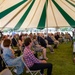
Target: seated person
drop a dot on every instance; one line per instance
(10, 59)
(15, 40)
(34, 63)
(54, 39)
(15, 45)
(51, 41)
(21, 42)
(38, 48)
(44, 43)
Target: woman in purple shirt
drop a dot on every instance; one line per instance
(32, 62)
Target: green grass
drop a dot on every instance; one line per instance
(62, 60)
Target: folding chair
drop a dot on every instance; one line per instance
(6, 72)
(32, 72)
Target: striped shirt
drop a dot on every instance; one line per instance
(29, 57)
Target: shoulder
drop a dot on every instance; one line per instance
(6, 50)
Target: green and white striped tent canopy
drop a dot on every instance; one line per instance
(21, 14)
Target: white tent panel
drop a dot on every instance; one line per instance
(34, 15)
(54, 17)
(72, 1)
(58, 18)
(69, 5)
(30, 16)
(5, 4)
(66, 9)
(15, 20)
(50, 16)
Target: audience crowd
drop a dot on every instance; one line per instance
(29, 46)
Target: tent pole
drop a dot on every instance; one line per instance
(46, 17)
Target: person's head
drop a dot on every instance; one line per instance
(16, 36)
(21, 37)
(34, 37)
(4, 37)
(6, 43)
(27, 42)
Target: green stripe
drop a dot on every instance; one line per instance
(23, 17)
(70, 3)
(42, 21)
(7, 11)
(65, 15)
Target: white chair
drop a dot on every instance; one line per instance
(32, 72)
(6, 72)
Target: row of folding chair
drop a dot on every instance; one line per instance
(32, 72)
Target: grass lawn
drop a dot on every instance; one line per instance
(62, 60)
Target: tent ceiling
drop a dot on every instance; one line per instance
(23, 14)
